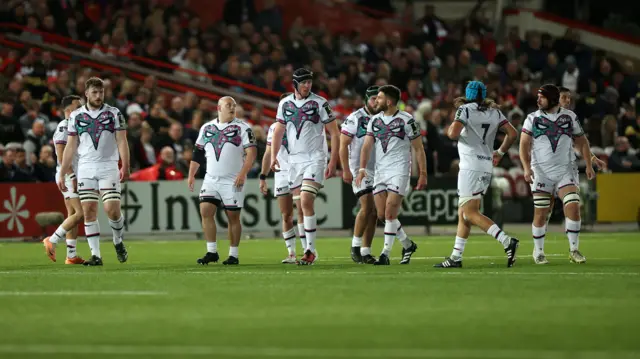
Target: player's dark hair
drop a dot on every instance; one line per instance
(68, 100)
(94, 82)
(391, 92)
(285, 95)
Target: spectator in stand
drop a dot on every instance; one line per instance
(8, 168)
(9, 125)
(44, 170)
(621, 160)
(24, 171)
(36, 138)
(164, 170)
(172, 139)
(249, 48)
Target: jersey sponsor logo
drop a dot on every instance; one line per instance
(218, 138)
(542, 126)
(251, 136)
(384, 133)
(299, 115)
(95, 126)
(328, 109)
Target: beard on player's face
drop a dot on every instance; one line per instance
(381, 106)
(543, 104)
(96, 102)
(371, 104)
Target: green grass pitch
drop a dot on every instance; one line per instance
(162, 305)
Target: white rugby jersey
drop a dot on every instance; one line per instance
(355, 126)
(60, 138)
(304, 120)
(553, 133)
(393, 135)
(475, 144)
(224, 145)
(96, 131)
(283, 154)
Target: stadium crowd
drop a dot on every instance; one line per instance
(431, 66)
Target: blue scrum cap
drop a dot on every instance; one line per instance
(473, 89)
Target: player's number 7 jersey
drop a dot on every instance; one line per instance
(475, 144)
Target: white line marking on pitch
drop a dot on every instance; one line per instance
(182, 351)
(79, 293)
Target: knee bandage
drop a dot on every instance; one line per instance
(110, 196)
(571, 197)
(309, 189)
(295, 198)
(541, 201)
(88, 196)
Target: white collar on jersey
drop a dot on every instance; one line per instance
(86, 106)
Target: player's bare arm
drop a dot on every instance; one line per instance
(123, 150)
(276, 143)
(250, 156)
(525, 156)
(67, 159)
(59, 154)
(365, 153)
(264, 172)
(602, 165)
(455, 129)
(334, 132)
(583, 145)
(345, 141)
(418, 148)
(511, 134)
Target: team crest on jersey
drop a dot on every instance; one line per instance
(310, 111)
(363, 122)
(105, 121)
(384, 133)
(218, 138)
(542, 126)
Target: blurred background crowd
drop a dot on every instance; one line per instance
(251, 52)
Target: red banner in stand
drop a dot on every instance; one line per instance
(21, 202)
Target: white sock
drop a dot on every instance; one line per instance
(538, 238)
(92, 232)
(290, 240)
(71, 248)
(573, 233)
(117, 227)
(365, 251)
(390, 232)
(58, 235)
(356, 241)
(233, 252)
(458, 248)
(402, 236)
(497, 233)
(303, 236)
(310, 223)
(212, 247)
